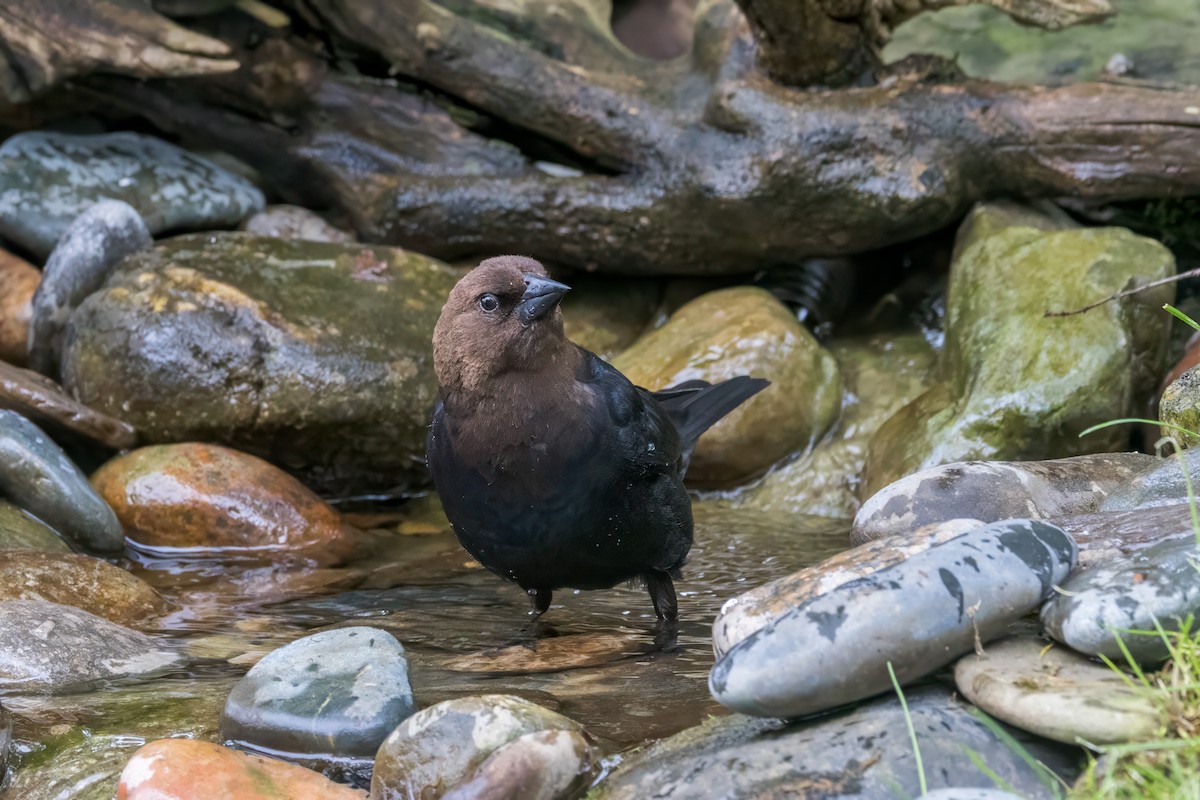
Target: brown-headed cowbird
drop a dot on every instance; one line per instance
(554, 470)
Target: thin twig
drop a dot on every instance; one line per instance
(1191, 273)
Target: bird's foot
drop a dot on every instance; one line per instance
(539, 601)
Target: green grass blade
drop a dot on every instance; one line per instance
(912, 732)
(1175, 312)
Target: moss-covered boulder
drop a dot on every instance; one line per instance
(315, 355)
(743, 331)
(1018, 384)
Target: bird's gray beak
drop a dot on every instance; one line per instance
(541, 297)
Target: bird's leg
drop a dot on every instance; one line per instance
(662, 594)
(539, 601)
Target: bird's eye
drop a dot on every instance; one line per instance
(489, 303)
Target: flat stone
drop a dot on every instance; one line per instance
(1056, 693)
(1162, 483)
(81, 581)
(546, 765)
(865, 753)
(445, 744)
(1100, 604)
(47, 647)
(36, 475)
(919, 614)
(172, 769)
(996, 490)
(47, 179)
(21, 531)
(554, 654)
(95, 242)
(338, 693)
(293, 222)
(206, 500)
(756, 609)
(43, 401)
(18, 282)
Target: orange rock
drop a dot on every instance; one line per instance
(72, 579)
(209, 500)
(184, 769)
(18, 280)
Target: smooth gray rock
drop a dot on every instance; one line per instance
(48, 179)
(920, 614)
(95, 242)
(1160, 583)
(1161, 484)
(47, 647)
(864, 753)
(337, 693)
(1113, 535)
(996, 490)
(1054, 692)
(36, 475)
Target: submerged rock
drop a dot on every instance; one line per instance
(1158, 585)
(47, 179)
(294, 222)
(996, 490)
(47, 647)
(41, 400)
(96, 241)
(232, 339)
(863, 753)
(21, 531)
(742, 331)
(553, 654)
(36, 475)
(1053, 692)
(446, 744)
(18, 282)
(80, 581)
(330, 696)
(205, 499)
(1019, 385)
(881, 375)
(835, 648)
(173, 769)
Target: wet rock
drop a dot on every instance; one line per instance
(329, 696)
(607, 315)
(835, 648)
(41, 400)
(172, 769)
(756, 609)
(1179, 407)
(293, 222)
(1114, 535)
(20, 531)
(881, 375)
(1053, 692)
(47, 647)
(80, 581)
(862, 753)
(546, 765)
(47, 179)
(18, 281)
(996, 490)
(1019, 385)
(554, 654)
(231, 338)
(36, 475)
(206, 499)
(91, 246)
(1162, 483)
(1100, 604)
(743, 331)
(968, 794)
(445, 744)
(5, 738)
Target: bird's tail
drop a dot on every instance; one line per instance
(695, 406)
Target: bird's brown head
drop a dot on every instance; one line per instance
(502, 317)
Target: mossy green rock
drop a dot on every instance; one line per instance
(315, 355)
(881, 375)
(20, 531)
(1179, 407)
(743, 331)
(1018, 385)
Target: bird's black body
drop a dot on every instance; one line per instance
(554, 470)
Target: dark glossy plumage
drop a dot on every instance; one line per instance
(553, 468)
